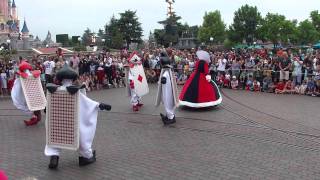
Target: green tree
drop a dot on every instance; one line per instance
(246, 21)
(114, 38)
(130, 27)
(276, 28)
(172, 29)
(212, 26)
(159, 36)
(315, 17)
(87, 37)
(101, 33)
(307, 33)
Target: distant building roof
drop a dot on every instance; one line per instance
(25, 28)
(37, 38)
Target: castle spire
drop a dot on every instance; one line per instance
(25, 29)
(13, 4)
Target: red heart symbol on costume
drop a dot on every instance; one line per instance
(140, 78)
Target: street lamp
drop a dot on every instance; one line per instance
(211, 42)
(8, 42)
(93, 38)
(79, 41)
(103, 41)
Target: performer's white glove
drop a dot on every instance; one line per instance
(208, 78)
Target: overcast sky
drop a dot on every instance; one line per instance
(74, 16)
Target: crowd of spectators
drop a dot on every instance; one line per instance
(281, 71)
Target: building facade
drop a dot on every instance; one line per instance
(10, 34)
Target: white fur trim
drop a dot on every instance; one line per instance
(201, 105)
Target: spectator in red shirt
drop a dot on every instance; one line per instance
(279, 87)
(100, 75)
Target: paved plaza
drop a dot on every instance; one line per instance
(249, 136)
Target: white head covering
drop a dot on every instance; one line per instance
(203, 55)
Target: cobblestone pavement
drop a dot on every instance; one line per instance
(250, 136)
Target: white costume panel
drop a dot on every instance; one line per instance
(135, 98)
(88, 114)
(167, 96)
(137, 75)
(33, 93)
(18, 98)
(167, 93)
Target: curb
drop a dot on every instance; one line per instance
(5, 97)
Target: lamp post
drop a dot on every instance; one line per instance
(103, 41)
(79, 41)
(211, 42)
(9, 49)
(93, 38)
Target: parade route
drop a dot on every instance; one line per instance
(250, 136)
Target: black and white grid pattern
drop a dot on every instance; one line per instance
(33, 93)
(63, 120)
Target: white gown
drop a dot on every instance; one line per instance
(88, 114)
(167, 96)
(17, 96)
(135, 99)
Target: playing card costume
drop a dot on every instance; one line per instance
(167, 90)
(27, 93)
(137, 85)
(200, 91)
(71, 119)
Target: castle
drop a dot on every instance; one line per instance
(10, 34)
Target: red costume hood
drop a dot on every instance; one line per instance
(23, 67)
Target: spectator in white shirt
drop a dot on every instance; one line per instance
(49, 66)
(222, 62)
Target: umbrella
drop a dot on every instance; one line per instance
(241, 46)
(317, 46)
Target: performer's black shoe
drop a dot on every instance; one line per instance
(54, 161)
(86, 161)
(166, 120)
(172, 121)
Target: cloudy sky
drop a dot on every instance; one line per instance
(74, 16)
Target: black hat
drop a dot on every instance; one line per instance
(66, 73)
(164, 59)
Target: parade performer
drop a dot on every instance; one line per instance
(167, 90)
(200, 91)
(137, 85)
(71, 119)
(27, 93)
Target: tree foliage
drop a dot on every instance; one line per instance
(276, 28)
(130, 27)
(245, 24)
(173, 30)
(315, 17)
(114, 38)
(212, 26)
(170, 34)
(307, 33)
(87, 37)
